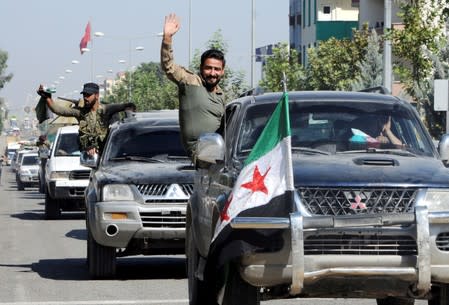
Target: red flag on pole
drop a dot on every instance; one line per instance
(86, 38)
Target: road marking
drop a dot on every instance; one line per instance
(139, 302)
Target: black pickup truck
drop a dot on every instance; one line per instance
(370, 213)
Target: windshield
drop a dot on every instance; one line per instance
(145, 145)
(67, 145)
(323, 127)
(30, 160)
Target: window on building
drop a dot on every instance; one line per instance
(326, 9)
(298, 19)
(292, 20)
(355, 3)
(310, 11)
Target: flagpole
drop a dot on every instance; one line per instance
(289, 179)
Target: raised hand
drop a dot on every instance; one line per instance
(171, 26)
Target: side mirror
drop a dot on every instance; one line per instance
(88, 161)
(210, 148)
(443, 148)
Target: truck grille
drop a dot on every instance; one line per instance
(165, 193)
(79, 175)
(360, 244)
(173, 219)
(348, 201)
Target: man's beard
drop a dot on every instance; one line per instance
(88, 104)
(209, 85)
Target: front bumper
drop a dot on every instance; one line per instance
(67, 189)
(149, 222)
(29, 179)
(304, 273)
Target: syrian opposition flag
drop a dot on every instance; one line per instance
(85, 39)
(264, 188)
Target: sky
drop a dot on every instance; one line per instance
(42, 39)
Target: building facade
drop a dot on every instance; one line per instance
(312, 21)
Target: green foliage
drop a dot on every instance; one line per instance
(370, 66)
(150, 89)
(419, 49)
(233, 82)
(333, 64)
(4, 78)
(283, 60)
(419, 34)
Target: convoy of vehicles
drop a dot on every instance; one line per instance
(368, 218)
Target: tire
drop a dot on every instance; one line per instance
(440, 295)
(41, 186)
(198, 292)
(20, 186)
(238, 292)
(395, 301)
(101, 259)
(52, 209)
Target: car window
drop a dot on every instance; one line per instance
(30, 160)
(67, 145)
(146, 144)
(338, 127)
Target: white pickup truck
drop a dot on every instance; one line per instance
(65, 178)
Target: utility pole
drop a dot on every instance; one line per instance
(253, 42)
(387, 46)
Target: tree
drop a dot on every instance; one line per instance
(283, 60)
(423, 30)
(370, 66)
(4, 78)
(333, 64)
(233, 82)
(150, 89)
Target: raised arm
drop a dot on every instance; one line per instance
(174, 72)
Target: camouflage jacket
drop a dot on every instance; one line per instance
(93, 125)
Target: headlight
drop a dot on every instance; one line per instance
(117, 192)
(437, 200)
(59, 175)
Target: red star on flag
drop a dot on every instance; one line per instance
(257, 184)
(224, 214)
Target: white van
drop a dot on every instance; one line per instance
(65, 178)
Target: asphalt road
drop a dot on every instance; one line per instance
(44, 262)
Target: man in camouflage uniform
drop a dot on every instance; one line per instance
(201, 101)
(93, 117)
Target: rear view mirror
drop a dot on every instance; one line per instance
(210, 148)
(443, 148)
(87, 160)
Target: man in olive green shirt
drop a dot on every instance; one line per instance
(201, 100)
(93, 117)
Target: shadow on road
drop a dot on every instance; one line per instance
(133, 268)
(80, 234)
(39, 215)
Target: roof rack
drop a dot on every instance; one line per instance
(377, 89)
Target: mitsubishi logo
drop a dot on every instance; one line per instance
(356, 201)
(175, 192)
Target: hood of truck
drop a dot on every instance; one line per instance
(132, 172)
(369, 170)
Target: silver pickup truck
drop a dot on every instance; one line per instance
(369, 214)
